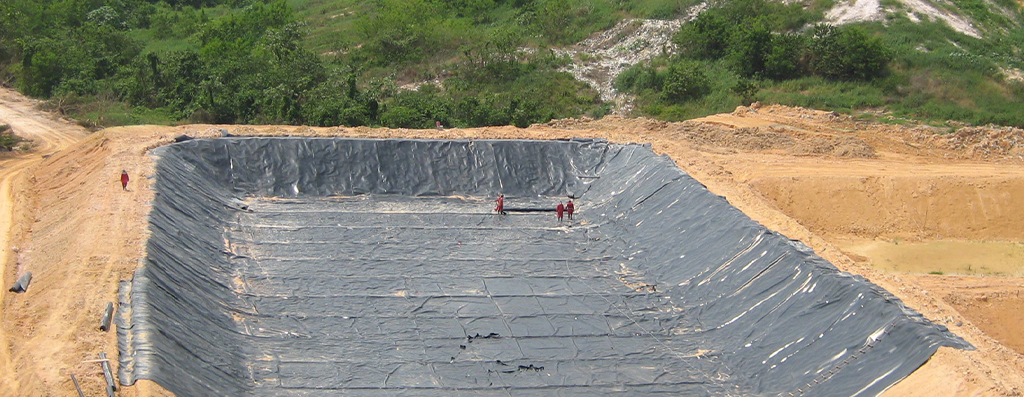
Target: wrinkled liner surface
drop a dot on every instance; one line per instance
(287, 266)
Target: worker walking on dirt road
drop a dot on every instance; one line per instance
(558, 211)
(569, 208)
(124, 180)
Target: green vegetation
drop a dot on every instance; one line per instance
(7, 138)
(248, 61)
(485, 62)
(755, 50)
(764, 51)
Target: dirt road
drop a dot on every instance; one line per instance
(48, 135)
(863, 195)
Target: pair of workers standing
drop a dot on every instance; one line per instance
(561, 210)
(567, 209)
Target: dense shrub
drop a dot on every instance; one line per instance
(7, 138)
(846, 53)
(569, 21)
(638, 78)
(400, 31)
(169, 23)
(749, 48)
(685, 80)
(73, 60)
(784, 58)
(706, 37)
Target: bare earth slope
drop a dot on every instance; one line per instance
(49, 135)
(827, 180)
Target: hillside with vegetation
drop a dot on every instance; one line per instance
(467, 63)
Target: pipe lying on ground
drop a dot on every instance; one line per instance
(77, 387)
(22, 284)
(111, 386)
(108, 315)
(529, 209)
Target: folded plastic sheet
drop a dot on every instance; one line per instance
(322, 267)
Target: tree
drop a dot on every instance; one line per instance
(706, 37)
(236, 35)
(685, 80)
(333, 102)
(399, 116)
(783, 60)
(477, 111)
(74, 60)
(137, 83)
(106, 16)
(417, 109)
(846, 53)
(182, 74)
(400, 31)
(749, 47)
(169, 23)
(745, 89)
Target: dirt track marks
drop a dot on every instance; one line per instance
(48, 135)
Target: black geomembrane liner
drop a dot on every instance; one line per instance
(332, 266)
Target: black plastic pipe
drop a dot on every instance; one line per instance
(552, 209)
(108, 315)
(111, 387)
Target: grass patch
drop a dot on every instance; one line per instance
(105, 113)
(159, 45)
(659, 9)
(331, 23)
(819, 93)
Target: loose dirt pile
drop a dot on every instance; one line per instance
(828, 180)
(977, 142)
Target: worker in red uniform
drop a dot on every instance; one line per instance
(124, 180)
(501, 204)
(569, 208)
(558, 211)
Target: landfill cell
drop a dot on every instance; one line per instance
(332, 266)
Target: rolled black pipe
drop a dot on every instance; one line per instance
(22, 284)
(108, 315)
(529, 209)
